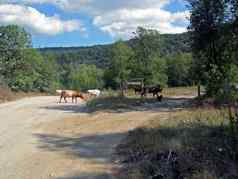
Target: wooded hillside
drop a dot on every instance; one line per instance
(100, 55)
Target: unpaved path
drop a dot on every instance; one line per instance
(42, 139)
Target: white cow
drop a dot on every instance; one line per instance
(95, 92)
(59, 91)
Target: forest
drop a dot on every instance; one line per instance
(150, 55)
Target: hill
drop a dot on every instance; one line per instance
(100, 55)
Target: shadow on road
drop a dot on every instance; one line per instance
(97, 147)
(121, 105)
(68, 108)
(92, 149)
(88, 176)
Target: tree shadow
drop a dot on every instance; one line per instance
(91, 175)
(96, 147)
(122, 105)
(68, 108)
(179, 152)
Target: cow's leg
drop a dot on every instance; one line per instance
(142, 94)
(155, 94)
(146, 92)
(65, 99)
(60, 98)
(72, 99)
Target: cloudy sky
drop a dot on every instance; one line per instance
(88, 22)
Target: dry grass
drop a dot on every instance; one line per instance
(111, 100)
(193, 144)
(7, 95)
(180, 91)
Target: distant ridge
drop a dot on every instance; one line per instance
(100, 55)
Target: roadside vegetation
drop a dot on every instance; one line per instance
(195, 143)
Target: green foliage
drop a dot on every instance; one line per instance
(119, 70)
(100, 55)
(24, 68)
(143, 61)
(13, 41)
(37, 75)
(178, 70)
(213, 28)
(159, 73)
(147, 45)
(144, 56)
(86, 77)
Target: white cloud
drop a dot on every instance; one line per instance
(120, 18)
(35, 21)
(124, 21)
(95, 6)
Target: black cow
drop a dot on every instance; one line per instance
(154, 89)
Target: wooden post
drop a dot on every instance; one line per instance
(122, 88)
(199, 89)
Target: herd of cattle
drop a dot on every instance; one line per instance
(74, 95)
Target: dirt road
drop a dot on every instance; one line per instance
(42, 139)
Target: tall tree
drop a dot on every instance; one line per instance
(121, 63)
(13, 41)
(207, 24)
(147, 48)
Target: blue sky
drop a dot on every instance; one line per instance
(60, 23)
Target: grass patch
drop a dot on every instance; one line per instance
(195, 144)
(112, 101)
(181, 91)
(117, 103)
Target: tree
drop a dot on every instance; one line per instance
(159, 73)
(147, 48)
(13, 41)
(38, 74)
(208, 27)
(121, 63)
(86, 77)
(178, 69)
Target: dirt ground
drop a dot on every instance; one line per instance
(42, 139)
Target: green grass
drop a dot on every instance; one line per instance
(195, 144)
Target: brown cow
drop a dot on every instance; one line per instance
(70, 94)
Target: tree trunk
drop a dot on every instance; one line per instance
(122, 89)
(199, 89)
